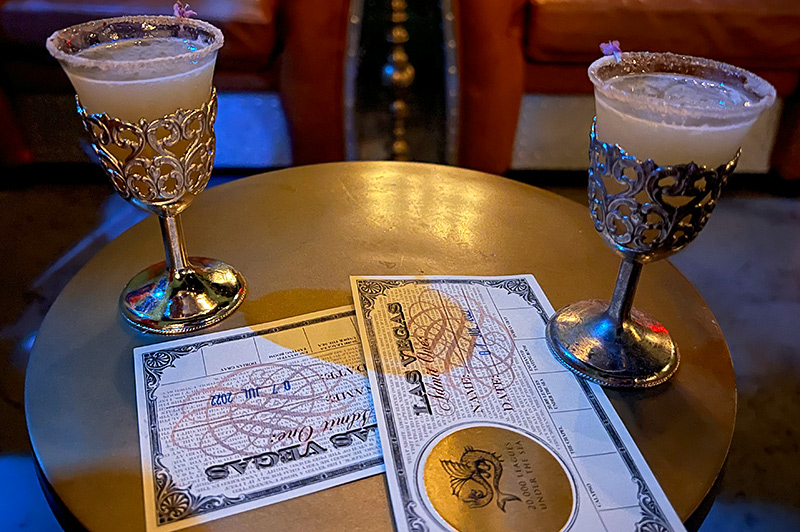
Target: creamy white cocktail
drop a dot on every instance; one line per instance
(151, 91)
(676, 109)
(143, 76)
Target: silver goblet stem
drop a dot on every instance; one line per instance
(619, 309)
(161, 166)
(645, 212)
(172, 232)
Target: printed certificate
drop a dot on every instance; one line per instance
(481, 428)
(240, 419)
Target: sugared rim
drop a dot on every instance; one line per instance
(74, 61)
(761, 91)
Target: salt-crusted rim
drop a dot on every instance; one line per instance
(639, 62)
(74, 61)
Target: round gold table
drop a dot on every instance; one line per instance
(296, 235)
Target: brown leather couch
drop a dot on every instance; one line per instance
(508, 48)
(294, 46)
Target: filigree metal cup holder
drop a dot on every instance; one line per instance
(644, 212)
(161, 166)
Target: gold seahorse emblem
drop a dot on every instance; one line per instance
(476, 478)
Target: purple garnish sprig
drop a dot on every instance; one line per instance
(182, 10)
(608, 48)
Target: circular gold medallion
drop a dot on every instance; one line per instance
(491, 478)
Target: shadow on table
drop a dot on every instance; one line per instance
(289, 303)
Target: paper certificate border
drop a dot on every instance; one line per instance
(174, 503)
(653, 517)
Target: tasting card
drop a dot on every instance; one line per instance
(481, 428)
(240, 419)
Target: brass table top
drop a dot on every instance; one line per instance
(296, 235)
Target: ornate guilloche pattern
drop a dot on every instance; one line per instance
(481, 428)
(240, 419)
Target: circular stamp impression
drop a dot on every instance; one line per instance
(495, 478)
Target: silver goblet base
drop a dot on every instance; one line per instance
(584, 337)
(167, 301)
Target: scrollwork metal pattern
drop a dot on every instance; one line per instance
(659, 210)
(158, 165)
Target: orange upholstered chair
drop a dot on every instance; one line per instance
(508, 48)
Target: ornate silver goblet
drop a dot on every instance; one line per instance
(145, 98)
(681, 108)
(654, 212)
